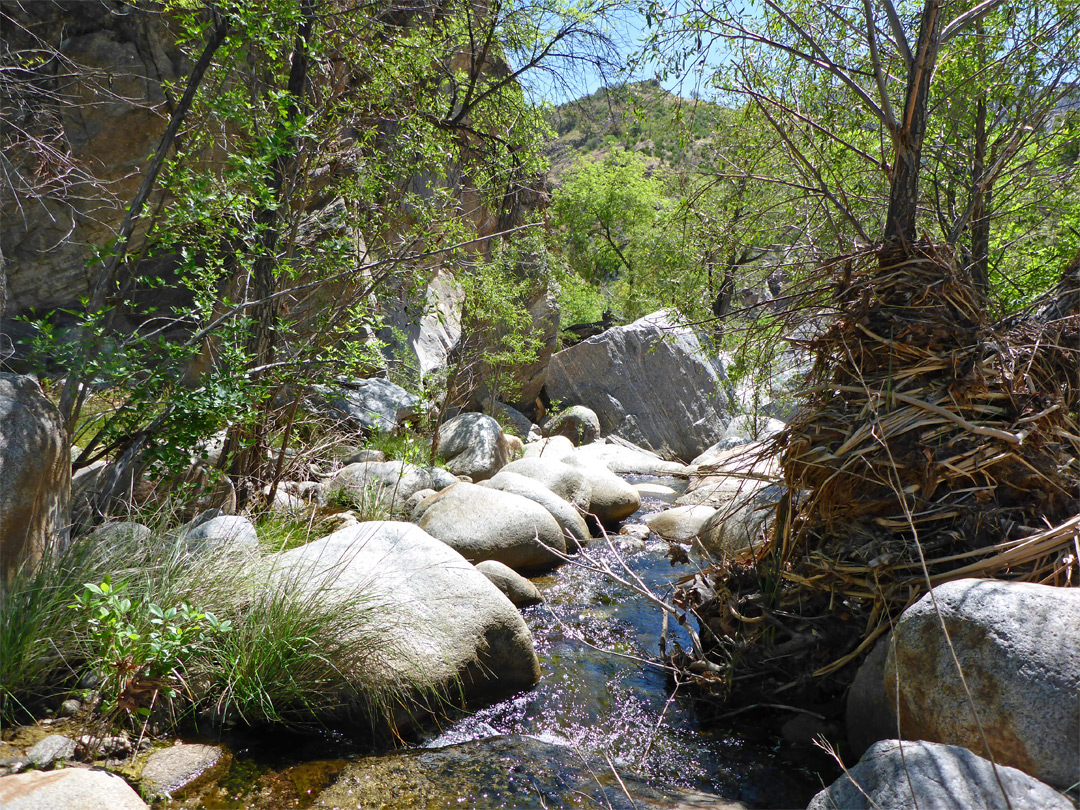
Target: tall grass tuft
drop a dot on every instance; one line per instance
(37, 640)
(293, 655)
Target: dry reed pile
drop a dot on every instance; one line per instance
(930, 445)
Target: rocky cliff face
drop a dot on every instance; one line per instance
(101, 101)
(81, 121)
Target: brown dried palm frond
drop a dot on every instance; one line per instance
(930, 445)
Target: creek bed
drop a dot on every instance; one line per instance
(599, 707)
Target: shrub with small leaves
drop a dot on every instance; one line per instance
(139, 650)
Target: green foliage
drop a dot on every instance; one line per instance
(498, 334)
(135, 647)
(262, 647)
(369, 503)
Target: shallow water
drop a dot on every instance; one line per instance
(600, 705)
(601, 697)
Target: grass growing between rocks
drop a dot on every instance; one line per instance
(290, 656)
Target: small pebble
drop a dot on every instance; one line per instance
(70, 708)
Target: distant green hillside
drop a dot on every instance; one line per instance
(669, 130)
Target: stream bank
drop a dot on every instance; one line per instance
(600, 708)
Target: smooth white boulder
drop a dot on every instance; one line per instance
(446, 626)
(486, 524)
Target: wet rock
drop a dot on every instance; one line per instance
(931, 776)
(172, 771)
(485, 524)
(651, 382)
(569, 483)
(35, 474)
(68, 789)
(51, 750)
(473, 444)
(447, 629)
(577, 423)
(564, 512)
(1018, 645)
(681, 523)
(516, 588)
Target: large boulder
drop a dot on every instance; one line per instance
(486, 524)
(223, 534)
(418, 340)
(68, 789)
(473, 444)
(742, 520)
(374, 405)
(577, 423)
(895, 775)
(446, 627)
(735, 482)
(651, 382)
(565, 513)
(1018, 645)
(35, 474)
(569, 483)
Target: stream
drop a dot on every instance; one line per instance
(601, 726)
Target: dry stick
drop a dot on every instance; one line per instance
(1011, 438)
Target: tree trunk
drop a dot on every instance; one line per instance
(900, 223)
(980, 208)
(72, 394)
(247, 449)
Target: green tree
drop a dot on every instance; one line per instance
(608, 212)
(325, 153)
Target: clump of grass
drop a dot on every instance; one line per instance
(293, 655)
(278, 532)
(299, 658)
(36, 635)
(401, 446)
(370, 503)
